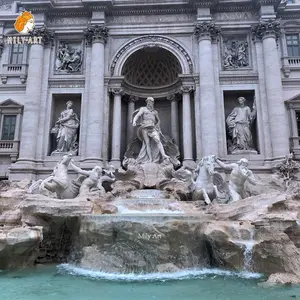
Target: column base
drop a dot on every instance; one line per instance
(116, 163)
(23, 169)
(189, 163)
(91, 162)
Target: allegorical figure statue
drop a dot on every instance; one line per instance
(239, 175)
(94, 179)
(239, 124)
(149, 134)
(65, 129)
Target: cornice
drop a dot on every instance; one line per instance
(37, 6)
(66, 82)
(289, 16)
(234, 8)
(151, 11)
(70, 14)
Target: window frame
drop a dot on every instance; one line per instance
(292, 47)
(19, 55)
(2, 125)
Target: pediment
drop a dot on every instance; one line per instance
(10, 103)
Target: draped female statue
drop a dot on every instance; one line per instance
(65, 129)
(239, 124)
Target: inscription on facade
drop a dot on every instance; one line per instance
(152, 19)
(68, 21)
(235, 16)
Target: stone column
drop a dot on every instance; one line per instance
(268, 32)
(117, 127)
(187, 124)
(205, 32)
(174, 118)
(130, 111)
(96, 36)
(30, 123)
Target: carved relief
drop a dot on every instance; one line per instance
(68, 58)
(152, 39)
(4, 5)
(235, 53)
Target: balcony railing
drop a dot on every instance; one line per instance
(9, 147)
(14, 69)
(290, 63)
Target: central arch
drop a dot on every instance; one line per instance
(147, 42)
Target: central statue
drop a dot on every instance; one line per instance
(149, 134)
(150, 145)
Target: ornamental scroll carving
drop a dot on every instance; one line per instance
(153, 39)
(270, 27)
(235, 53)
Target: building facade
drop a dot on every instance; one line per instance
(194, 57)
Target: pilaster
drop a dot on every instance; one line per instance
(33, 96)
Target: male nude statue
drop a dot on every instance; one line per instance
(149, 133)
(239, 174)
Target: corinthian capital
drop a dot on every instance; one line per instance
(43, 32)
(186, 89)
(96, 33)
(206, 30)
(266, 28)
(117, 91)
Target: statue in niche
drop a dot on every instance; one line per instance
(94, 180)
(68, 59)
(153, 146)
(235, 54)
(239, 124)
(66, 131)
(239, 174)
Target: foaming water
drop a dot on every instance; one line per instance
(124, 210)
(180, 275)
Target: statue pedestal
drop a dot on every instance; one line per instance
(60, 154)
(150, 173)
(244, 152)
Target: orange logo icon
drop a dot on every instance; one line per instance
(25, 23)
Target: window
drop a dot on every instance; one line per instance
(292, 42)
(8, 127)
(16, 56)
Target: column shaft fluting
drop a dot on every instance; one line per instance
(97, 36)
(116, 127)
(174, 119)
(208, 113)
(268, 31)
(277, 113)
(187, 124)
(129, 120)
(30, 123)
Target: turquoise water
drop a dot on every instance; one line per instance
(66, 282)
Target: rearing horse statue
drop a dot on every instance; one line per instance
(58, 182)
(205, 176)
